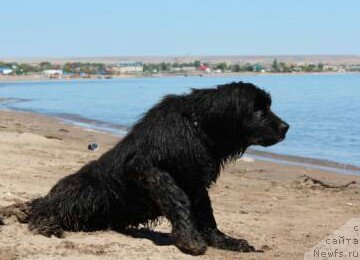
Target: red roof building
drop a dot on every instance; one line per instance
(203, 67)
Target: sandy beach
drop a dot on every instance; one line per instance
(267, 203)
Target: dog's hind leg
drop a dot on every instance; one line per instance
(44, 217)
(206, 224)
(175, 205)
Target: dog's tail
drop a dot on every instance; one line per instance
(20, 210)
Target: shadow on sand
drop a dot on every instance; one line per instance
(158, 238)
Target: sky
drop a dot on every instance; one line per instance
(64, 28)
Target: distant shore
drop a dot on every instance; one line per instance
(38, 77)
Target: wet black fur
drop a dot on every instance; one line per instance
(164, 167)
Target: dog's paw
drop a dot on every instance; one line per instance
(233, 244)
(217, 239)
(192, 244)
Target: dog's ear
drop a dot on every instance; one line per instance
(232, 101)
(262, 101)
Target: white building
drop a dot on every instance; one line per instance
(5, 71)
(184, 69)
(50, 73)
(188, 69)
(128, 67)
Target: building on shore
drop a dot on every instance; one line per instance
(188, 69)
(128, 67)
(183, 69)
(5, 71)
(204, 68)
(53, 73)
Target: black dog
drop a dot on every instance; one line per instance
(163, 167)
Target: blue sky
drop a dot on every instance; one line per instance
(141, 27)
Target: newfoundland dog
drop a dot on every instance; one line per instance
(163, 167)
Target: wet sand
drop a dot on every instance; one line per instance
(265, 202)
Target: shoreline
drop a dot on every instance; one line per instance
(312, 163)
(120, 131)
(41, 78)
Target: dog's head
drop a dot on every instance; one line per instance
(239, 115)
(263, 126)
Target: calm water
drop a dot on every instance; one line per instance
(323, 110)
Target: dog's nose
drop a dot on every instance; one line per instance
(284, 127)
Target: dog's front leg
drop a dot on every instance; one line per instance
(206, 224)
(175, 205)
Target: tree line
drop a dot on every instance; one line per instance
(167, 67)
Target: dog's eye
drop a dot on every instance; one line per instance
(259, 113)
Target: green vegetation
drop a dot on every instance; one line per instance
(312, 67)
(169, 67)
(45, 65)
(275, 67)
(85, 68)
(197, 64)
(222, 66)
